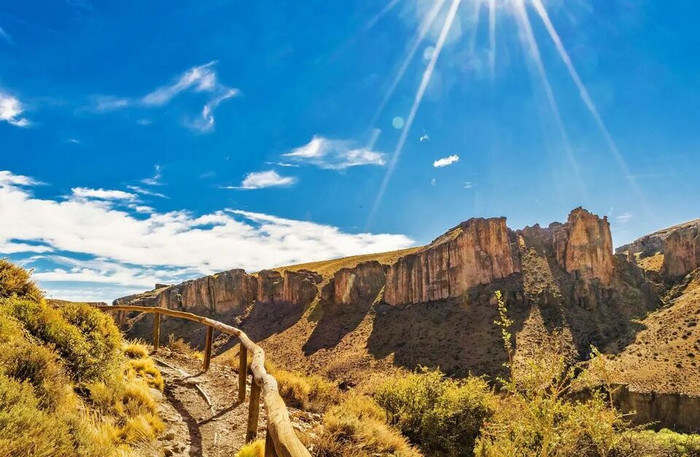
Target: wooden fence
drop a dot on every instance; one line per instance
(280, 440)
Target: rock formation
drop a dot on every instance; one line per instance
(584, 245)
(361, 284)
(475, 252)
(682, 250)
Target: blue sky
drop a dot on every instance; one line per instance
(157, 141)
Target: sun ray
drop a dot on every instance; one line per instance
(413, 48)
(383, 12)
(585, 96)
(427, 74)
(477, 18)
(492, 37)
(525, 26)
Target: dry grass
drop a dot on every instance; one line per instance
(310, 393)
(356, 427)
(66, 389)
(651, 263)
(327, 268)
(135, 350)
(253, 449)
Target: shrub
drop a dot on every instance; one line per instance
(88, 348)
(253, 449)
(358, 426)
(664, 443)
(135, 350)
(441, 415)
(15, 282)
(146, 370)
(38, 366)
(27, 430)
(311, 393)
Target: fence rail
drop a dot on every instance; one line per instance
(281, 441)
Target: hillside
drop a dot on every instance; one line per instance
(358, 318)
(69, 385)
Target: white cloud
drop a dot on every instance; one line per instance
(11, 110)
(142, 191)
(334, 154)
(155, 179)
(446, 161)
(198, 79)
(102, 194)
(468, 185)
(133, 249)
(624, 218)
(263, 179)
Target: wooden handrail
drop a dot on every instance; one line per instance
(280, 432)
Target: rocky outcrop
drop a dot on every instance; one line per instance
(675, 411)
(475, 252)
(270, 286)
(360, 284)
(682, 250)
(300, 287)
(584, 246)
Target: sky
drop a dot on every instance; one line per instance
(155, 141)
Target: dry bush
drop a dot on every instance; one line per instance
(253, 449)
(356, 427)
(441, 415)
(146, 370)
(16, 282)
(135, 350)
(310, 393)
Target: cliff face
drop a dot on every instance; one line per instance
(682, 251)
(584, 245)
(361, 284)
(475, 252)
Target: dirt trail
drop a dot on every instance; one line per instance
(193, 427)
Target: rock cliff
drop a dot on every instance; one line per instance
(360, 284)
(475, 252)
(682, 251)
(584, 246)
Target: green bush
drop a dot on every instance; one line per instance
(664, 443)
(15, 282)
(86, 351)
(441, 415)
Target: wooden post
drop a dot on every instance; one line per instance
(242, 372)
(253, 412)
(207, 347)
(269, 445)
(156, 331)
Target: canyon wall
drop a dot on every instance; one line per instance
(476, 252)
(682, 250)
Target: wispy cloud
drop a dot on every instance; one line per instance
(624, 218)
(142, 191)
(446, 161)
(263, 179)
(11, 110)
(155, 179)
(335, 154)
(111, 244)
(200, 79)
(6, 36)
(102, 194)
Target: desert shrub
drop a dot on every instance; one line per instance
(27, 430)
(664, 443)
(252, 449)
(15, 282)
(357, 426)
(443, 416)
(135, 350)
(88, 346)
(311, 393)
(537, 415)
(39, 367)
(146, 370)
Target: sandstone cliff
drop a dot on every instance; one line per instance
(475, 252)
(682, 251)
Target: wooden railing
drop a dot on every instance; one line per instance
(280, 440)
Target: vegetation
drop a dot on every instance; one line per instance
(310, 393)
(66, 388)
(253, 449)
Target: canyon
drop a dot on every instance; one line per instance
(355, 318)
